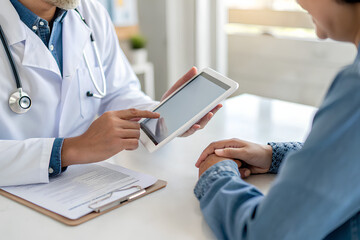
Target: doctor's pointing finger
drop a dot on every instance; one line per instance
(108, 135)
(61, 66)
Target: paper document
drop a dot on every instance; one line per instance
(71, 193)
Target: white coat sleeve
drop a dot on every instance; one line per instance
(25, 162)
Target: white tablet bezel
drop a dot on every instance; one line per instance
(150, 145)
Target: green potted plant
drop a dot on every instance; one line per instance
(138, 50)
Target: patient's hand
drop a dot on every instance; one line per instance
(212, 160)
(255, 158)
(209, 161)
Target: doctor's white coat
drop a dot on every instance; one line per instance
(60, 107)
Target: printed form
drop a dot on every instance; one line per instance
(71, 193)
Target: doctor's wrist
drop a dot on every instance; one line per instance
(70, 152)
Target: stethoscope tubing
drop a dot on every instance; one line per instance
(97, 55)
(11, 60)
(101, 93)
(20, 102)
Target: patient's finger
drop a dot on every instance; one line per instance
(238, 153)
(244, 172)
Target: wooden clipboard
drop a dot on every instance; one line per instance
(153, 188)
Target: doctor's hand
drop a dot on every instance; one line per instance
(255, 158)
(108, 135)
(203, 121)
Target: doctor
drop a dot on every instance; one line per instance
(54, 80)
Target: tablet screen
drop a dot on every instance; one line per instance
(183, 106)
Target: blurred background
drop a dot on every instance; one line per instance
(268, 46)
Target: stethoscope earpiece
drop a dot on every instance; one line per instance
(19, 102)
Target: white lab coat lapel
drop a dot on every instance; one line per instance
(75, 37)
(35, 54)
(76, 34)
(10, 22)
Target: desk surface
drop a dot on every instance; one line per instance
(173, 212)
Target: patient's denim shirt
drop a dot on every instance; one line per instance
(316, 194)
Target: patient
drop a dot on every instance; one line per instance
(316, 194)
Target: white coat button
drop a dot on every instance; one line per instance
(41, 23)
(51, 170)
(51, 47)
(34, 28)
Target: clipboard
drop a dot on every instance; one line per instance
(132, 197)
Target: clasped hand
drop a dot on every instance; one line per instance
(251, 158)
(116, 131)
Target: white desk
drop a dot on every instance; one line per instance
(173, 212)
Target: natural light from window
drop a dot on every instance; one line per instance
(278, 18)
(280, 5)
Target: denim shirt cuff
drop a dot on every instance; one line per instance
(280, 151)
(227, 168)
(55, 158)
(275, 160)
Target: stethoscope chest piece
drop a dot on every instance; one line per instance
(19, 101)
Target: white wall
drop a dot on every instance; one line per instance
(169, 26)
(182, 34)
(181, 37)
(288, 69)
(211, 38)
(152, 19)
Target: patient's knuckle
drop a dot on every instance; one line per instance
(133, 111)
(212, 145)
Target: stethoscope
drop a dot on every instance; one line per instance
(20, 102)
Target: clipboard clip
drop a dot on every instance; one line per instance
(140, 191)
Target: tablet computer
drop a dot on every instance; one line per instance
(185, 107)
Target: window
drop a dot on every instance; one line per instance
(280, 18)
(273, 51)
(288, 5)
